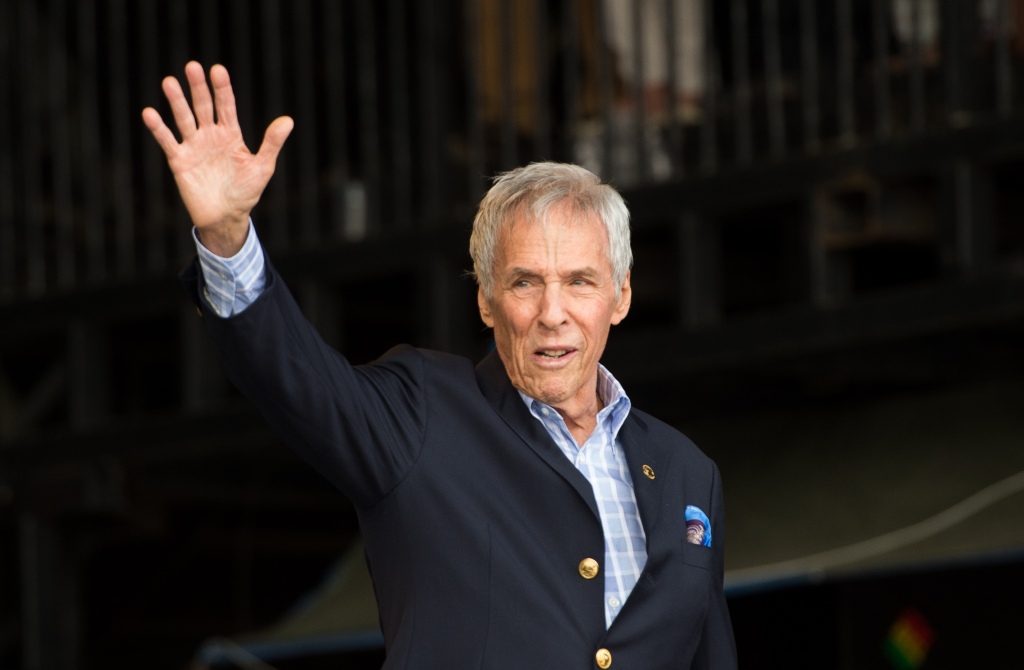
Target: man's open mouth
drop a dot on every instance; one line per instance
(553, 354)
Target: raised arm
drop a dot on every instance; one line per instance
(218, 178)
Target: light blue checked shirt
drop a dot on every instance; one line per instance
(602, 461)
(232, 284)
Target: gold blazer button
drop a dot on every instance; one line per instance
(589, 568)
(603, 658)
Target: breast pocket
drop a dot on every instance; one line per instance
(698, 555)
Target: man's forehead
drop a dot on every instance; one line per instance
(527, 226)
(529, 246)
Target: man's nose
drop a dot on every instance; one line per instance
(552, 307)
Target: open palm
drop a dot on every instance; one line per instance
(218, 178)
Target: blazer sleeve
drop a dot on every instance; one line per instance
(717, 650)
(360, 426)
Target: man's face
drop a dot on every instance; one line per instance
(553, 305)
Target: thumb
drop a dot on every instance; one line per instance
(274, 139)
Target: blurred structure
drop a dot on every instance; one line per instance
(828, 293)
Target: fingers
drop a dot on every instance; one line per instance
(179, 107)
(277, 132)
(202, 102)
(163, 135)
(188, 117)
(223, 96)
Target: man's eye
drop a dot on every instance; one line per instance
(522, 283)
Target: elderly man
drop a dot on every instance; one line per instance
(516, 514)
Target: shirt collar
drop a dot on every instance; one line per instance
(616, 402)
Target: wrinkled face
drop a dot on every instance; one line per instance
(553, 305)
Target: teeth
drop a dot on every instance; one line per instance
(554, 353)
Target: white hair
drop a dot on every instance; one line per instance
(536, 190)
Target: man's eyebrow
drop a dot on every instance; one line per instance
(521, 272)
(578, 272)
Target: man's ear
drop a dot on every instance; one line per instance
(625, 300)
(485, 308)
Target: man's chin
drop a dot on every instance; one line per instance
(547, 395)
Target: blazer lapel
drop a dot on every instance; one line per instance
(498, 389)
(645, 459)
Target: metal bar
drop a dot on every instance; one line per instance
(742, 91)
(241, 65)
(429, 104)
(152, 166)
(844, 71)
(570, 75)
(121, 163)
(400, 182)
(202, 378)
(307, 172)
(820, 290)
(639, 107)
(178, 44)
(604, 88)
(880, 32)
(509, 104)
(32, 588)
(474, 113)
(708, 139)
(542, 122)
(957, 40)
(809, 76)
(773, 76)
(698, 248)
(90, 151)
(8, 213)
(673, 51)
(1004, 68)
(964, 225)
(60, 143)
(88, 373)
(32, 148)
(178, 48)
(209, 32)
(917, 119)
(337, 125)
(369, 131)
(275, 204)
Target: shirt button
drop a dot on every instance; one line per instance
(544, 411)
(589, 568)
(614, 602)
(603, 657)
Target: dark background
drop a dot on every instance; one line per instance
(828, 297)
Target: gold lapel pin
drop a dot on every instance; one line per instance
(649, 471)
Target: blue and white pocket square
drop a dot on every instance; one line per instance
(698, 527)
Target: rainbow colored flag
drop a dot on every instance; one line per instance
(910, 638)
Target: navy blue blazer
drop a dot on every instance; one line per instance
(475, 522)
